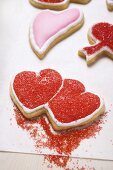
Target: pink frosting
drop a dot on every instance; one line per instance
(47, 24)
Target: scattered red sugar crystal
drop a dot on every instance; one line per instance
(62, 142)
(61, 161)
(73, 164)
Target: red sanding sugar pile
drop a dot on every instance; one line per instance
(62, 142)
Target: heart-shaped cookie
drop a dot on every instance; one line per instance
(73, 106)
(48, 28)
(101, 35)
(66, 102)
(31, 90)
(55, 4)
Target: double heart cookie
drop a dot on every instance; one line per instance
(48, 28)
(101, 35)
(110, 5)
(65, 102)
(55, 4)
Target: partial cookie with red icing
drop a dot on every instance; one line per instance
(109, 5)
(49, 28)
(55, 4)
(101, 37)
(65, 102)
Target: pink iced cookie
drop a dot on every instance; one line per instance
(55, 4)
(101, 35)
(48, 28)
(65, 102)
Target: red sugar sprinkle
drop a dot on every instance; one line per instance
(64, 142)
(104, 33)
(81, 168)
(61, 161)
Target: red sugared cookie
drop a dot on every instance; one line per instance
(55, 4)
(65, 102)
(101, 35)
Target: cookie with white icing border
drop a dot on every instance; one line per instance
(109, 5)
(65, 102)
(100, 37)
(55, 4)
(49, 28)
